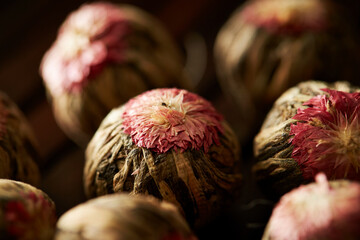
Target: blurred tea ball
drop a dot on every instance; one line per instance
(103, 55)
(19, 157)
(169, 143)
(123, 216)
(26, 213)
(267, 46)
(320, 210)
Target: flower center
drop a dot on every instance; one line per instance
(73, 43)
(347, 142)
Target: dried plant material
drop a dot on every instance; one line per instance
(321, 210)
(268, 46)
(311, 128)
(18, 147)
(327, 136)
(26, 213)
(122, 216)
(169, 143)
(288, 17)
(105, 54)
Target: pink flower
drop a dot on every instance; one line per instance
(163, 119)
(327, 136)
(287, 16)
(89, 39)
(16, 217)
(321, 210)
(26, 216)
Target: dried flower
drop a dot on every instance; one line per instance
(18, 147)
(327, 138)
(26, 213)
(160, 120)
(123, 217)
(321, 210)
(312, 128)
(105, 54)
(169, 143)
(88, 40)
(268, 46)
(288, 17)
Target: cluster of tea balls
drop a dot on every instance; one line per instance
(160, 160)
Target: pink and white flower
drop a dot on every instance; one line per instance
(320, 210)
(88, 40)
(287, 16)
(164, 119)
(327, 135)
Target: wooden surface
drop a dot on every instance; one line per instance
(28, 27)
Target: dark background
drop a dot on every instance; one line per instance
(27, 29)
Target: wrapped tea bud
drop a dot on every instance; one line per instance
(26, 213)
(105, 54)
(123, 216)
(169, 143)
(18, 147)
(313, 127)
(321, 210)
(268, 46)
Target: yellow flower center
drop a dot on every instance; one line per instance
(347, 143)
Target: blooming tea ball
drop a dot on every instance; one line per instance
(169, 143)
(321, 210)
(313, 127)
(267, 46)
(18, 147)
(123, 216)
(103, 55)
(26, 213)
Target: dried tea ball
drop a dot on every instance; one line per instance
(313, 127)
(26, 213)
(169, 143)
(123, 216)
(105, 54)
(18, 147)
(321, 210)
(268, 46)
